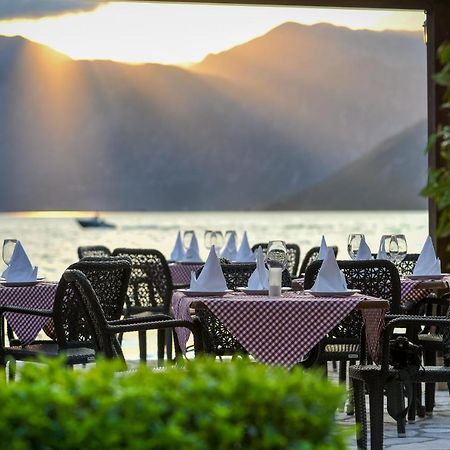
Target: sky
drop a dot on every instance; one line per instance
(169, 33)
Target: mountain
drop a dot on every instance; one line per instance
(240, 130)
(389, 177)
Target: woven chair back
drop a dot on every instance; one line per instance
(311, 255)
(93, 250)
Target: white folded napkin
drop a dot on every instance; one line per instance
(20, 268)
(364, 252)
(427, 263)
(230, 250)
(192, 253)
(323, 249)
(381, 254)
(178, 252)
(259, 279)
(245, 253)
(330, 278)
(211, 278)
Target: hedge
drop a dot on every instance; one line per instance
(205, 405)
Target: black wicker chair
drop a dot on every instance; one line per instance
(109, 279)
(149, 292)
(311, 255)
(293, 255)
(104, 332)
(217, 340)
(375, 278)
(93, 250)
(376, 378)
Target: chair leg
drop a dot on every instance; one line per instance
(376, 403)
(169, 345)
(430, 388)
(360, 413)
(142, 346)
(161, 345)
(12, 369)
(334, 366)
(342, 372)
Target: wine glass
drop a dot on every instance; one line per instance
(384, 246)
(228, 235)
(277, 254)
(393, 249)
(207, 237)
(353, 243)
(8, 250)
(187, 238)
(217, 240)
(402, 247)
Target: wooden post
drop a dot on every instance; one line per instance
(438, 31)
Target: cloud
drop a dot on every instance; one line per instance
(15, 9)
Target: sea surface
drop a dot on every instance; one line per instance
(51, 242)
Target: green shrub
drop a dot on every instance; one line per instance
(205, 405)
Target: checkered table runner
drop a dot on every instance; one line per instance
(410, 292)
(298, 284)
(277, 331)
(39, 296)
(181, 273)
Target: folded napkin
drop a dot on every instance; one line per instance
(245, 253)
(230, 250)
(211, 278)
(427, 263)
(364, 252)
(330, 278)
(178, 252)
(192, 253)
(259, 279)
(323, 249)
(20, 268)
(381, 254)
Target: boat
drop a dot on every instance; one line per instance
(95, 222)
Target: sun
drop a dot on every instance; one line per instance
(181, 33)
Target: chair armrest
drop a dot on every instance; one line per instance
(138, 320)
(146, 324)
(28, 311)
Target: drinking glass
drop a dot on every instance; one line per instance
(187, 238)
(393, 249)
(8, 250)
(228, 235)
(353, 243)
(208, 239)
(217, 240)
(402, 247)
(277, 254)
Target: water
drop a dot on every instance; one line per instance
(52, 242)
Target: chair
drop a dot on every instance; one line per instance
(109, 279)
(104, 332)
(93, 250)
(375, 278)
(376, 378)
(149, 292)
(293, 256)
(311, 255)
(217, 340)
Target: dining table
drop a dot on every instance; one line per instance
(40, 295)
(282, 330)
(181, 272)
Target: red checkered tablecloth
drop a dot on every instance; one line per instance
(39, 296)
(181, 273)
(411, 293)
(279, 330)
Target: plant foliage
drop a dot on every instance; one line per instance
(205, 405)
(438, 186)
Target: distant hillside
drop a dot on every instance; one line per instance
(240, 130)
(390, 177)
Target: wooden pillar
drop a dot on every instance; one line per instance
(438, 31)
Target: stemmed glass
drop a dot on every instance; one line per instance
(217, 240)
(187, 238)
(228, 235)
(8, 250)
(353, 243)
(397, 248)
(207, 237)
(277, 254)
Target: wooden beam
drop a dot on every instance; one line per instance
(438, 31)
